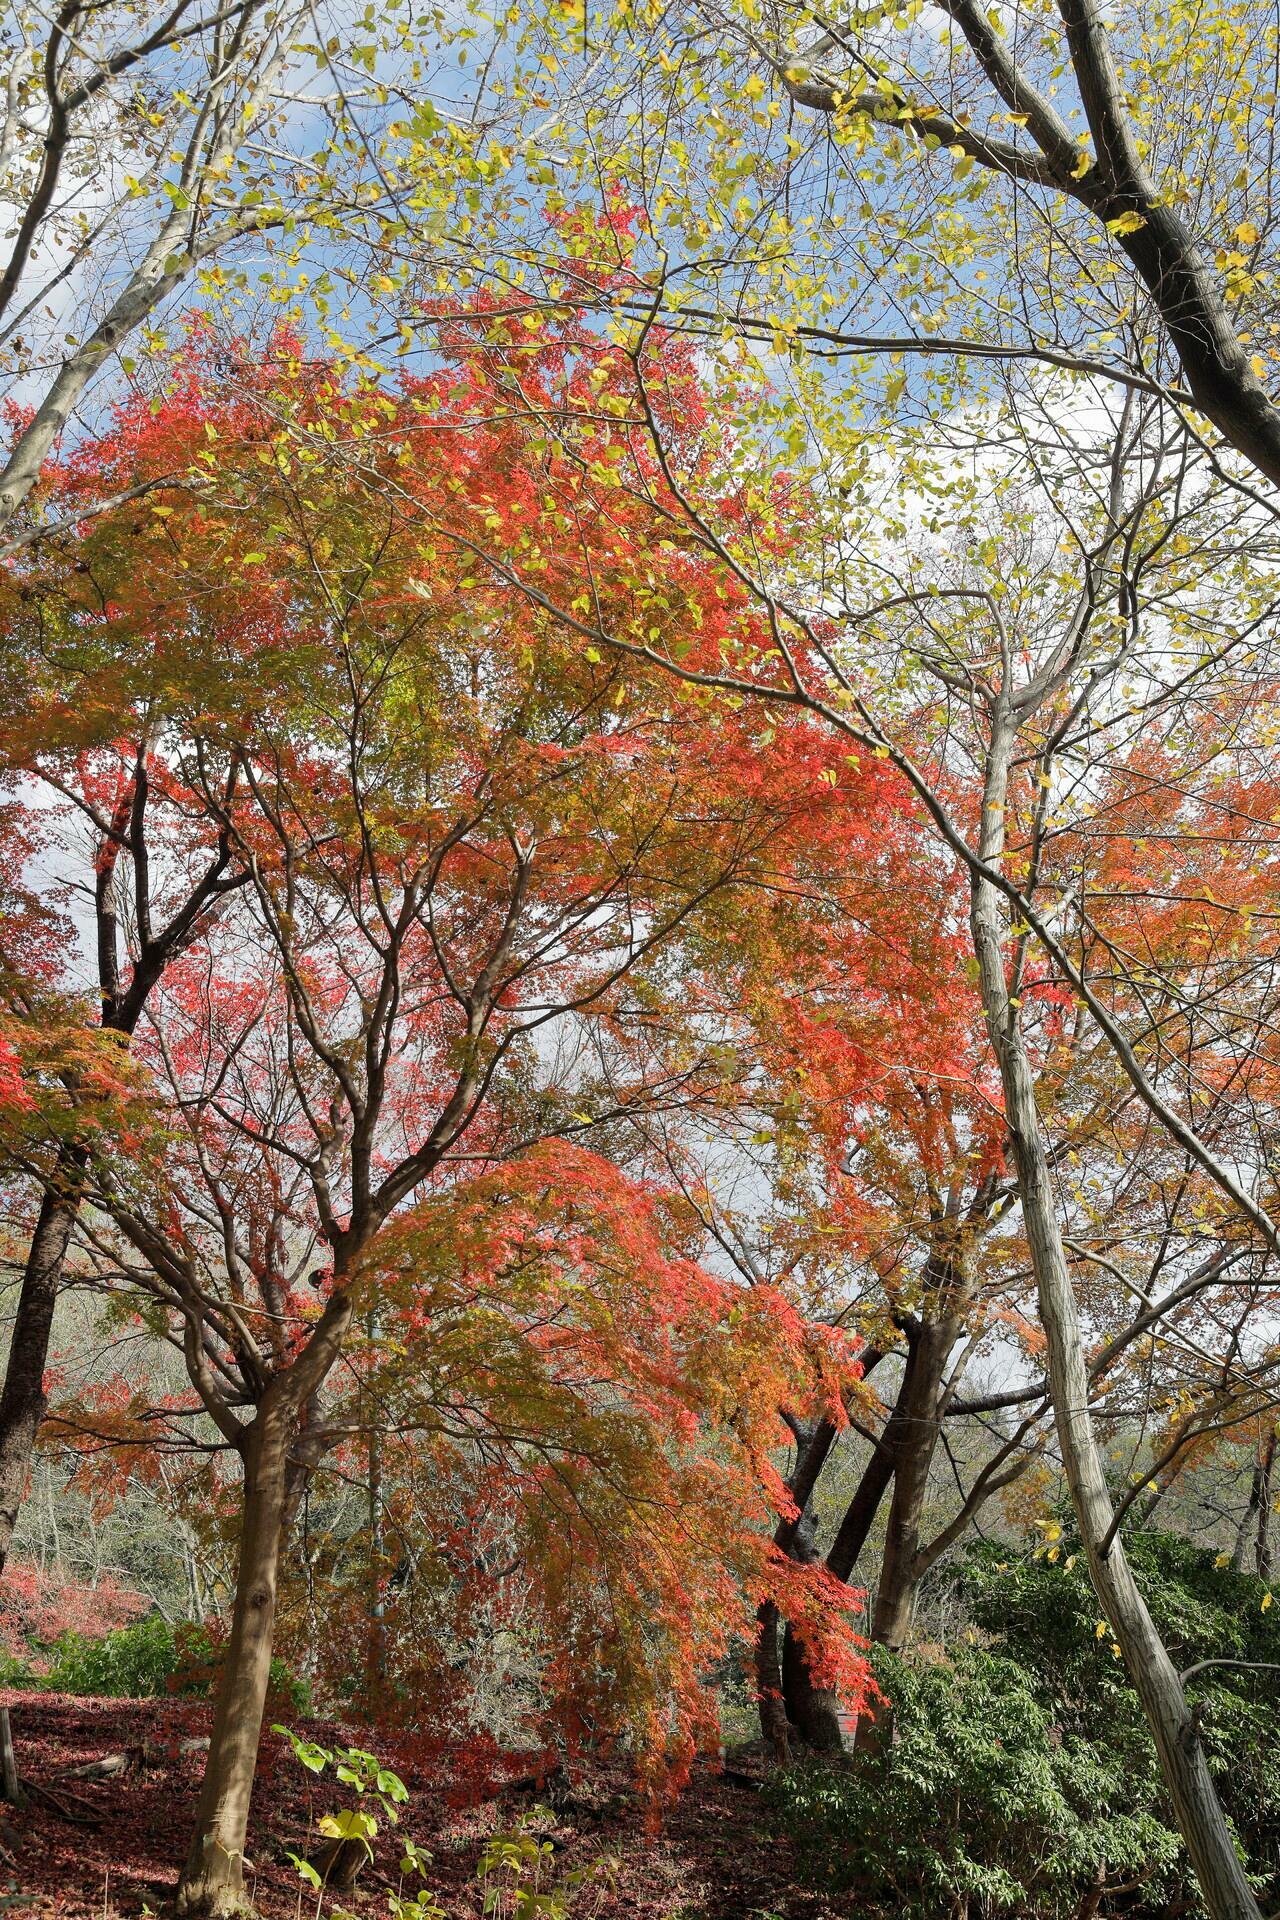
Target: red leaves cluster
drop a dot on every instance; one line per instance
(38, 1604)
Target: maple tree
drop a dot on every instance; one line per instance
(77, 1085)
(548, 1364)
(462, 850)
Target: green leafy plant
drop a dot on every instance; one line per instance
(350, 1831)
(517, 1872)
(198, 1662)
(135, 1662)
(978, 1801)
(1222, 1630)
(519, 1880)
(423, 1904)
(148, 1659)
(17, 1674)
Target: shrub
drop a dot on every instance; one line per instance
(135, 1662)
(979, 1802)
(16, 1673)
(152, 1658)
(1047, 1617)
(1020, 1778)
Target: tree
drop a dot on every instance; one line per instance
(464, 840)
(575, 1421)
(1192, 235)
(179, 877)
(138, 149)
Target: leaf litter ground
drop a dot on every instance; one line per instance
(712, 1857)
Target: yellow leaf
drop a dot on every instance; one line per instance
(1123, 223)
(1247, 234)
(1266, 1601)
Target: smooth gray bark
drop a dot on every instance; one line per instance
(1198, 1811)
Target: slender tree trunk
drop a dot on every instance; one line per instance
(812, 1710)
(23, 1399)
(1200, 1818)
(376, 1661)
(212, 1882)
(773, 1718)
(805, 1702)
(860, 1514)
(376, 1648)
(1262, 1543)
(916, 1441)
(1248, 1519)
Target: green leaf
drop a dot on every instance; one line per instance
(352, 1823)
(306, 1871)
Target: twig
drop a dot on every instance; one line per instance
(91, 1818)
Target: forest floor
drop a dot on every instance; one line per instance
(111, 1852)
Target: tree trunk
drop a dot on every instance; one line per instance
(23, 1400)
(1248, 1519)
(917, 1426)
(212, 1883)
(376, 1651)
(877, 1476)
(1200, 1818)
(1262, 1543)
(773, 1719)
(806, 1705)
(812, 1710)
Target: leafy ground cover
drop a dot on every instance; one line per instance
(711, 1858)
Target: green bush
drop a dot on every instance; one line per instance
(152, 1658)
(16, 1673)
(135, 1662)
(1047, 1618)
(978, 1797)
(1020, 1774)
